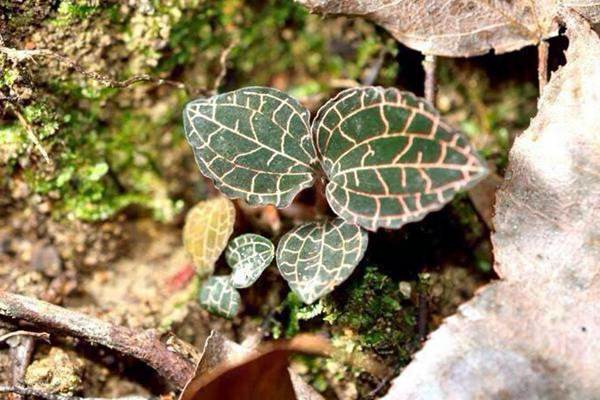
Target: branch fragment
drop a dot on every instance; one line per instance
(146, 346)
(25, 391)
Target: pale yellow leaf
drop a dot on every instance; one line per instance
(208, 226)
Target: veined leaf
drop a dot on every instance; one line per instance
(248, 255)
(218, 296)
(316, 257)
(390, 158)
(207, 228)
(254, 143)
(454, 28)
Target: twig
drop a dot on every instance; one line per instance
(19, 56)
(223, 66)
(31, 134)
(542, 64)
(422, 316)
(20, 355)
(41, 335)
(371, 73)
(429, 65)
(143, 345)
(25, 391)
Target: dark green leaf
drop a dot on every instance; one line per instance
(254, 143)
(218, 296)
(248, 255)
(390, 158)
(316, 257)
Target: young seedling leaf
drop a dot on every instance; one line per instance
(316, 257)
(207, 228)
(219, 297)
(248, 255)
(390, 158)
(254, 143)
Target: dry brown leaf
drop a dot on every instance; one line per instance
(208, 226)
(453, 28)
(229, 371)
(590, 9)
(534, 334)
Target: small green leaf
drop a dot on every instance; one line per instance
(219, 297)
(316, 257)
(390, 158)
(248, 255)
(254, 143)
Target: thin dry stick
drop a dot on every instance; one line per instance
(41, 335)
(25, 391)
(542, 64)
(223, 66)
(143, 345)
(20, 355)
(429, 65)
(31, 134)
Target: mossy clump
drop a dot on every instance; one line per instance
(381, 316)
(57, 373)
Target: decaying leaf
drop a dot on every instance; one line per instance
(316, 257)
(254, 143)
(534, 334)
(590, 9)
(390, 158)
(208, 226)
(218, 296)
(248, 256)
(454, 28)
(229, 371)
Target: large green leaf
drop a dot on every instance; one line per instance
(218, 296)
(248, 255)
(389, 157)
(254, 143)
(316, 257)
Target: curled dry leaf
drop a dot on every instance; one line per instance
(455, 28)
(534, 334)
(228, 371)
(208, 226)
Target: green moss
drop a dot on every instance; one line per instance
(72, 10)
(372, 306)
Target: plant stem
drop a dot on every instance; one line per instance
(429, 65)
(542, 48)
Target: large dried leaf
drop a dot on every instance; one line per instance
(248, 256)
(207, 228)
(218, 296)
(229, 371)
(453, 28)
(534, 335)
(254, 143)
(590, 9)
(316, 257)
(390, 158)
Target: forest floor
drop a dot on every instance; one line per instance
(98, 230)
